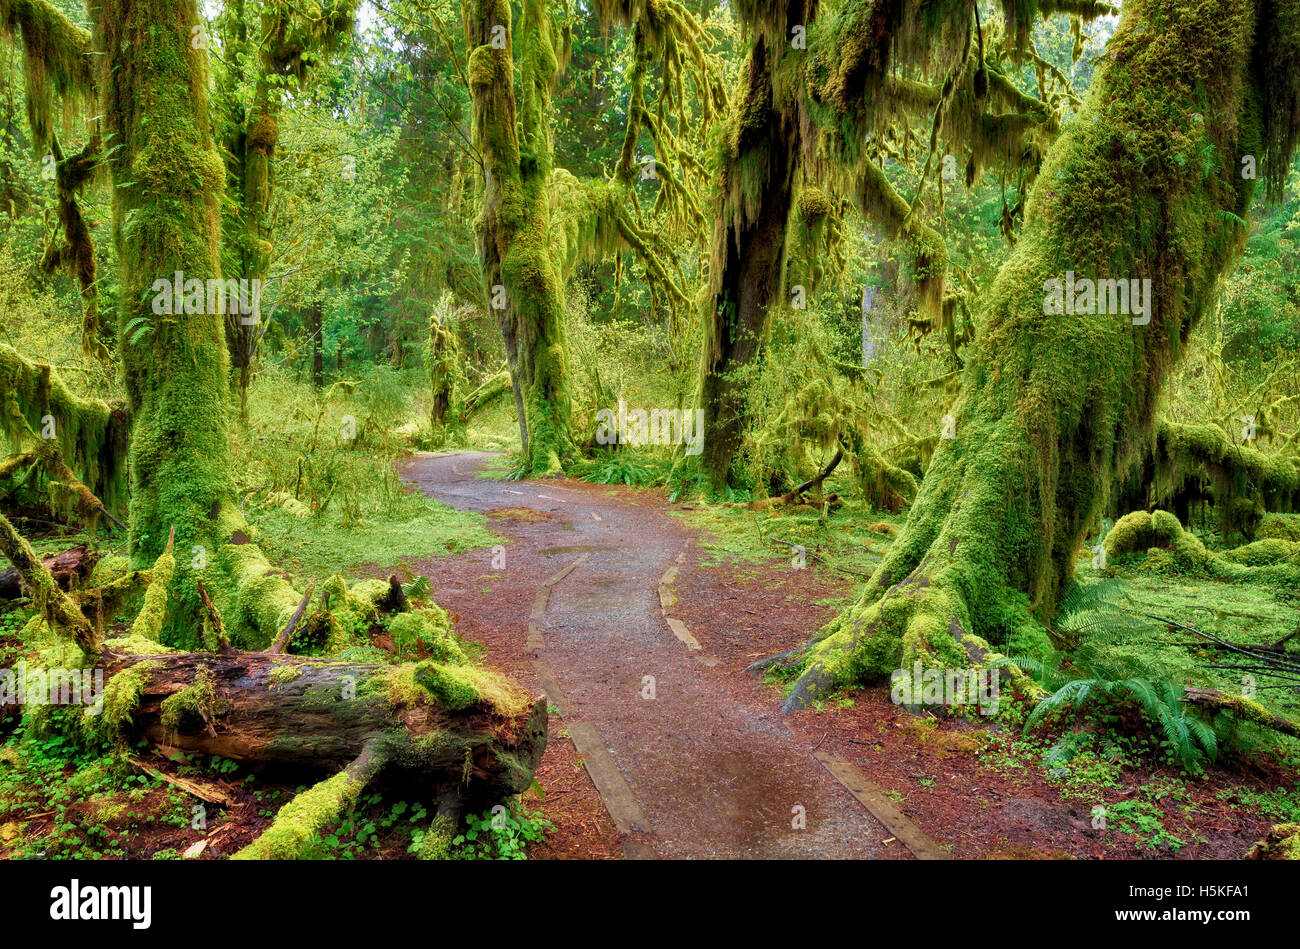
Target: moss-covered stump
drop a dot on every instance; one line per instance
(453, 727)
(1055, 407)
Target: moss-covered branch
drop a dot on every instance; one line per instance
(58, 609)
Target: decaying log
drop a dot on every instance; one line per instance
(296, 710)
(69, 568)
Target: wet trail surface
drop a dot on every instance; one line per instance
(704, 768)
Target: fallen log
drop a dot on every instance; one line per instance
(1242, 707)
(454, 728)
(69, 569)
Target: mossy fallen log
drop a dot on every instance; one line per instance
(462, 732)
(453, 725)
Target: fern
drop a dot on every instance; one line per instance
(1088, 678)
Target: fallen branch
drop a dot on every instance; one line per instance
(203, 791)
(214, 620)
(57, 608)
(820, 559)
(1242, 707)
(791, 496)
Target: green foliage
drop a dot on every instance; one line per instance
(623, 467)
(499, 834)
(1102, 685)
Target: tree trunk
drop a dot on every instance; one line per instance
(1146, 184)
(523, 283)
(168, 180)
(749, 239)
(317, 346)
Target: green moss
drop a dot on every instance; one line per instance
(1279, 526)
(456, 684)
(1054, 408)
(299, 821)
(121, 698)
(429, 629)
(1159, 532)
(91, 435)
(197, 701)
(1282, 843)
(436, 844)
(149, 621)
(282, 674)
(519, 157)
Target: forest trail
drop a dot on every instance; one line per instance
(700, 769)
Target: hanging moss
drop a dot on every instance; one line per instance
(1185, 465)
(57, 61)
(92, 437)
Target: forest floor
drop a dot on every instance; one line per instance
(603, 592)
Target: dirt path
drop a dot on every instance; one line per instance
(704, 768)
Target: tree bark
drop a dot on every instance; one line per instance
(1055, 407)
(749, 236)
(168, 179)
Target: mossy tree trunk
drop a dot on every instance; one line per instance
(167, 184)
(513, 135)
(1145, 184)
(287, 45)
(749, 228)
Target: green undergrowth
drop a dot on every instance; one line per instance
(380, 825)
(852, 537)
(61, 800)
(403, 530)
